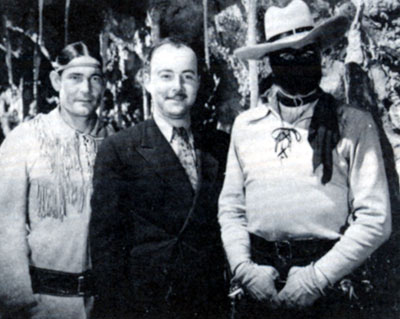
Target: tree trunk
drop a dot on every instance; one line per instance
(154, 17)
(251, 40)
(104, 38)
(66, 21)
(146, 107)
(8, 52)
(36, 58)
(205, 26)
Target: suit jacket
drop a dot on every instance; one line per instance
(155, 244)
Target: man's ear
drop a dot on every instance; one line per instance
(55, 79)
(146, 81)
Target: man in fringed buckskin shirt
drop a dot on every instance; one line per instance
(46, 167)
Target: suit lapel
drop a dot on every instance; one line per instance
(207, 175)
(156, 150)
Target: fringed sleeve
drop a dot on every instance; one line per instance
(16, 296)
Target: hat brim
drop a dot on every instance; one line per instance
(327, 33)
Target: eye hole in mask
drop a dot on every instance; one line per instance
(309, 54)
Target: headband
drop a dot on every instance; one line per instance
(84, 60)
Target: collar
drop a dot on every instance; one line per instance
(166, 128)
(98, 130)
(267, 105)
(262, 110)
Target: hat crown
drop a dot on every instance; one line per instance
(280, 20)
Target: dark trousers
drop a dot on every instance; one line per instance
(326, 308)
(354, 297)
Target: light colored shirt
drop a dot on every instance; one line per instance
(46, 172)
(283, 198)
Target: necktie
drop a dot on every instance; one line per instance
(186, 155)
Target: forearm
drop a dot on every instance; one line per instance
(232, 214)
(16, 293)
(235, 239)
(369, 206)
(15, 289)
(354, 247)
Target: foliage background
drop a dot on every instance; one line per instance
(363, 68)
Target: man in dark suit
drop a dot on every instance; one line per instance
(155, 240)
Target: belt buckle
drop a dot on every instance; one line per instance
(284, 251)
(81, 285)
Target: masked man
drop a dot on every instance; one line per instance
(305, 198)
(155, 238)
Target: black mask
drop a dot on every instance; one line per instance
(297, 71)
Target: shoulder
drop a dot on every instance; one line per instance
(354, 120)
(22, 130)
(129, 135)
(124, 141)
(104, 129)
(247, 123)
(251, 115)
(25, 133)
(23, 141)
(353, 113)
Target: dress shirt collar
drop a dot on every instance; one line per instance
(166, 128)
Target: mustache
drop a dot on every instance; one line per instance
(177, 95)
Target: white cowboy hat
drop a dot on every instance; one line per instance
(293, 27)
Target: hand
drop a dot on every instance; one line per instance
(258, 281)
(303, 287)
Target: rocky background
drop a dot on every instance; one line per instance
(363, 69)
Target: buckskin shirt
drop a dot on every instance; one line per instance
(46, 183)
(281, 197)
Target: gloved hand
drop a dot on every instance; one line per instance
(258, 280)
(303, 287)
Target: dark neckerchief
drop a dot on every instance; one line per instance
(324, 135)
(297, 101)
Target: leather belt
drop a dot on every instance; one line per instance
(285, 254)
(59, 283)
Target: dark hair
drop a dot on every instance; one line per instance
(173, 41)
(75, 50)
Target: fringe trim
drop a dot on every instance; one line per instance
(71, 159)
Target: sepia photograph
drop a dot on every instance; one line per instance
(187, 159)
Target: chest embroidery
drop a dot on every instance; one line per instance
(71, 159)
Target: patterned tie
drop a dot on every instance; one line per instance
(186, 154)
